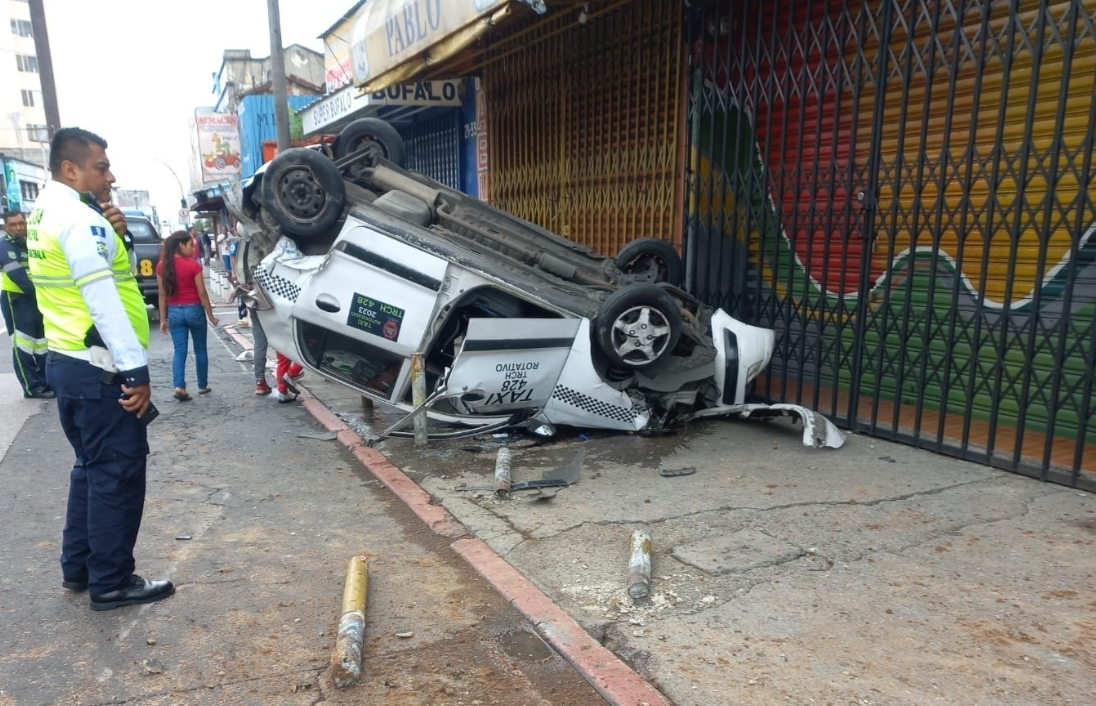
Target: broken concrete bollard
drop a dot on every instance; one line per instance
(418, 397)
(639, 566)
(346, 660)
(502, 473)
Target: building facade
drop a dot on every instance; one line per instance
(24, 128)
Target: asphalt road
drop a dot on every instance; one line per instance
(255, 524)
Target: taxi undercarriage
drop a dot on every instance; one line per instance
(363, 271)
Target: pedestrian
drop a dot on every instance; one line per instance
(28, 338)
(206, 247)
(286, 371)
(184, 309)
(97, 328)
(197, 253)
(222, 252)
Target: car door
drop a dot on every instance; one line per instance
(507, 364)
(362, 314)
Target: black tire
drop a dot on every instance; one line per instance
(303, 192)
(638, 326)
(371, 134)
(651, 260)
(220, 163)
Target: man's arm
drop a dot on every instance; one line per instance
(13, 267)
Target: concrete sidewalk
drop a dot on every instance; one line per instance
(876, 574)
(255, 523)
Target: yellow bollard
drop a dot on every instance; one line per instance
(346, 660)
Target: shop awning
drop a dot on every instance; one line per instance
(395, 40)
(209, 205)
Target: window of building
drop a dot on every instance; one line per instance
(28, 98)
(22, 28)
(27, 63)
(37, 133)
(29, 189)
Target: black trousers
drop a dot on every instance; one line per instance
(28, 339)
(107, 484)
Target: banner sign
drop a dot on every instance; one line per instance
(218, 146)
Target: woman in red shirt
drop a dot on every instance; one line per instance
(184, 308)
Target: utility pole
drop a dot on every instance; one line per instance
(45, 68)
(277, 75)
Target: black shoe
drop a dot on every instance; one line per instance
(75, 585)
(137, 590)
(40, 394)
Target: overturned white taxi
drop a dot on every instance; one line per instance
(357, 264)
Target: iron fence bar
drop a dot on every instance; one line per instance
(891, 225)
(824, 323)
(1057, 146)
(1026, 150)
(816, 304)
(979, 60)
(942, 162)
(997, 156)
(774, 296)
(869, 214)
(756, 188)
(1084, 410)
(789, 289)
(722, 277)
(692, 114)
(854, 179)
(706, 218)
(802, 307)
(914, 225)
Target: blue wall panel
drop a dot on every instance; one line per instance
(257, 126)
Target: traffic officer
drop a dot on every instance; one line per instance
(17, 297)
(97, 328)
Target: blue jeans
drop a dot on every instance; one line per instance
(184, 319)
(227, 260)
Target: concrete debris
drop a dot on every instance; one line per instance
(318, 435)
(152, 666)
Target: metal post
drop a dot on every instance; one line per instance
(639, 565)
(346, 660)
(418, 392)
(277, 75)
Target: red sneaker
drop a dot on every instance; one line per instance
(261, 388)
(296, 371)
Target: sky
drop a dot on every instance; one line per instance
(133, 71)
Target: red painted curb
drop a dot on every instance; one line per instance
(238, 338)
(613, 679)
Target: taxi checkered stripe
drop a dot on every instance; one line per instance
(274, 284)
(592, 405)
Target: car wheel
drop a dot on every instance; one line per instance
(651, 260)
(303, 192)
(638, 326)
(220, 163)
(373, 135)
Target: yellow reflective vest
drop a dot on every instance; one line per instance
(82, 275)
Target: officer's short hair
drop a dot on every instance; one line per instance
(12, 214)
(72, 144)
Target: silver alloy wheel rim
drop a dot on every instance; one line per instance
(640, 335)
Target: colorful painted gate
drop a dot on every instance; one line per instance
(904, 191)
